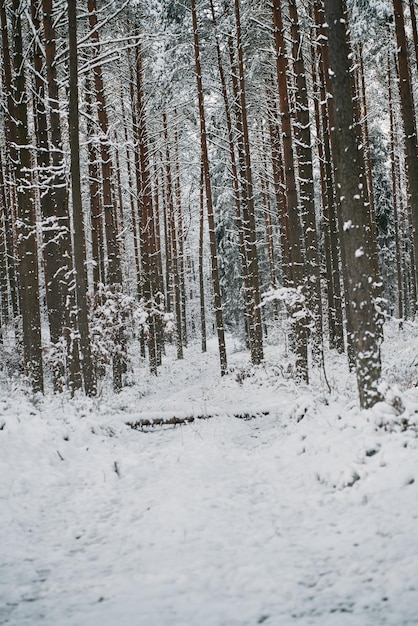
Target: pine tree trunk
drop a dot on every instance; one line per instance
(303, 141)
(179, 211)
(395, 199)
(78, 217)
(173, 244)
(248, 209)
(60, 199)
(27, 237)
(109, 209)
(267, 211)
(96, 209)
(201, 259)
(10, 160)
(330, 222)
(359, 246)
(278, 177)
(51, 254)
(234, 170)
(409, 121)
(4, 286)
(209, 204)
(147, 235)
(296, 277)
(339, 272)
(414, 29)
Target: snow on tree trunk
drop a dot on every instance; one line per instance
(358, 245)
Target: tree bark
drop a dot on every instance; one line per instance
(209, 205)
(408, 119)
(359, 246)
(27, 237)
(109, 209)
(247, 201)
(78, 216)
(303, 141)
(173, 243)
(296, 277)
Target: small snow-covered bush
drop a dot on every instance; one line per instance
(397, 412)
(113, 317)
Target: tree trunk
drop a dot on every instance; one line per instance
(330, 222)
(4, 283)
(147, 234)
(209, 204)
(303, 141)
(173, 244)
(234, 170)
(359, 246)
(27, 238)
(10, 160)
(114, 264)
(408, 119)
(395, 199)
(247, 201)
(78, 217)
(296, 278)
(414, 29)
(201, 259)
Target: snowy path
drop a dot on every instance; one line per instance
(222, 522)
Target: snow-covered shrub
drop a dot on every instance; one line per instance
(56, 359)
(295, 303)
(113, 316)
(398, 411)
(169, 325)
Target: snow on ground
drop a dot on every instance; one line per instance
(305, 514)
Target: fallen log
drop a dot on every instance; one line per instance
(160, 421)
(178, 421)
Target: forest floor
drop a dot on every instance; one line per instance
(307, 513)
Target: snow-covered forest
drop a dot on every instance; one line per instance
(208, 300)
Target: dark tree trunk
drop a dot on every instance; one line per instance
(96, 208)
(234, 169)
(147, 233)
(201, 259)
(10, 160)
(109, 209)
(296, 277)
(414, 29)
(27, 238)
(395, 199)
(359, 246)
(4, 283)
(209, 204)
(303, 142)
(173, 244)
(278, 176)
(247, 201)
(330, 222)
(408, 119)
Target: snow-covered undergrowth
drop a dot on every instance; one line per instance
(305, 514)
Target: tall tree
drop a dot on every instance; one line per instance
(359, 246)
(109, 209)
(51, 175)
(303, 141)
(408, 118)
(10, 159)
(27, 236)
(77, 206)
(296, 273)
(247, 201)
(209, 202)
